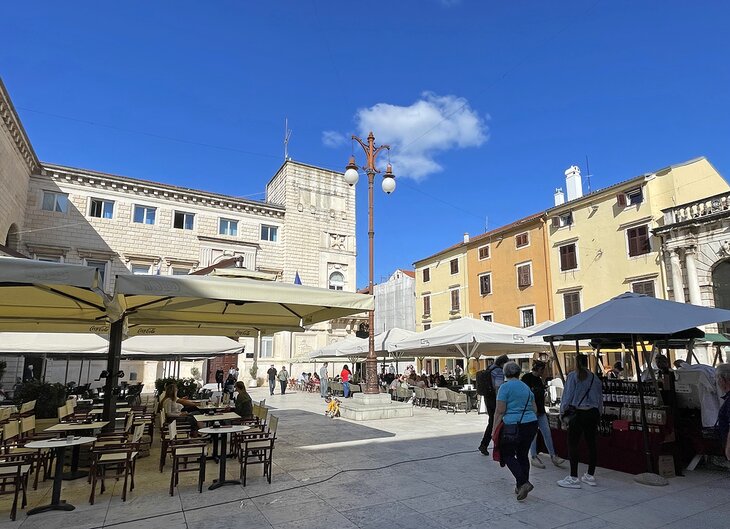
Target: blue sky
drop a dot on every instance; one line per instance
(487, 103)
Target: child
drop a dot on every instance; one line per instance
(333, 407)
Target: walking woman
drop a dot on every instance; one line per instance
(345, 378)
(580, 407)
(515, 422)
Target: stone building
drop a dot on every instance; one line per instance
(305, 228)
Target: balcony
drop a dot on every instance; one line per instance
(699, 209)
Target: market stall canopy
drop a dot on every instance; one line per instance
(635, 315)
(50, 297)
(353, 346)
(80, 345)
(469, 337)
(223, 302)
(534, 330)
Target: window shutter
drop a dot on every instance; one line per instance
(621, 199)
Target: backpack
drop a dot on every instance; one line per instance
(283, 375)
(485, 384)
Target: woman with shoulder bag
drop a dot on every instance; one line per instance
(515, 426)
(580, 409)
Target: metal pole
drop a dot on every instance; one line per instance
(557, 361)
(644, 424)
(112, 365)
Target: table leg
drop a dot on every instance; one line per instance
(75, 472)
(222, 466)
(56, 503)
(214, 455)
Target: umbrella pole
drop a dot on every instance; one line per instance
(557, 361)
(65, 376)
(112, 365)
(649, 477)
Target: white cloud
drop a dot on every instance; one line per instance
(419, 132)
(332, 138)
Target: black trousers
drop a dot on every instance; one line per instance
(584, 424)
(491, 404)
(516, 455)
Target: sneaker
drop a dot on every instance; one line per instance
(588, 479)
(537, 462)
(557, 461)
(524, 490)
(483, 450)
(569, 482)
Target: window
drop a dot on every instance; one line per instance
(634, 196)
(455, 300)
(571, 303)
(568, 257)
(485, 284)
(644, 287)
(101, 267)
(269, 233)
(176, 271)
(55, 202)
(48, 258)
(566, 219)
(337, 281)
(426, 305)
(267, 347)
(426, 326)
(638, 239)
(228, 227)
(183, 221)
(454, 266)
(144, 214)
(487, 316)
(522, 240)
(524, 275)
(101, 209)
(527, 317)
(483, 252)
(426, 275)
(140, 270)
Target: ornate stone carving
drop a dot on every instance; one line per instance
(338, 242)
(724, 250)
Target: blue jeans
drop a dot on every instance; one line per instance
(346, 389)
(272, 385)
(544, 427)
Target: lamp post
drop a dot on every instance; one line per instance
(351, 177)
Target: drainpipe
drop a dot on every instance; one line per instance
(546, 249)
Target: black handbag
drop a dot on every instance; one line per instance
(569, 414)
(510, 433)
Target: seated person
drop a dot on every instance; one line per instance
(244, 404)
(173, 407)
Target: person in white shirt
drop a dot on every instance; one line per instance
(323, 380)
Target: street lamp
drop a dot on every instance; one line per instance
(351, 177)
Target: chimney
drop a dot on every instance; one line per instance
(559, 196)
(466, 237)
(573, 184)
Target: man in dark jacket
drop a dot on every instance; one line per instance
(219, 379)
(272, 378)
(488, 382)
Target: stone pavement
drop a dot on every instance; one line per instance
(422, 472)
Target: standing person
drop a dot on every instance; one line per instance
(345, 378)
(723, 418)
(535, 381)
(283, 379)
(232, 372)
(323, 380)
(272, 378)
(582, 399)
(488, 382)
(28, 373)
(219, 378)
(516, 409)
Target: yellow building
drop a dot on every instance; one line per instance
(441, 287)
(601, 244)
(509, 277)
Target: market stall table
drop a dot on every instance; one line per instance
(59, 445)
(222, 432)
(65, 427)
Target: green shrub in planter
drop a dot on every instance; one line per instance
(49, 397)
(186, 387)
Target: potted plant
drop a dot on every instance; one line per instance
(252, 383)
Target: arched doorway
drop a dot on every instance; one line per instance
(721, 289)
(12, 239)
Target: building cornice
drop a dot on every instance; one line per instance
(17, 132)
(144, 188)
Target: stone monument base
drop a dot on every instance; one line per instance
(362, 407)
